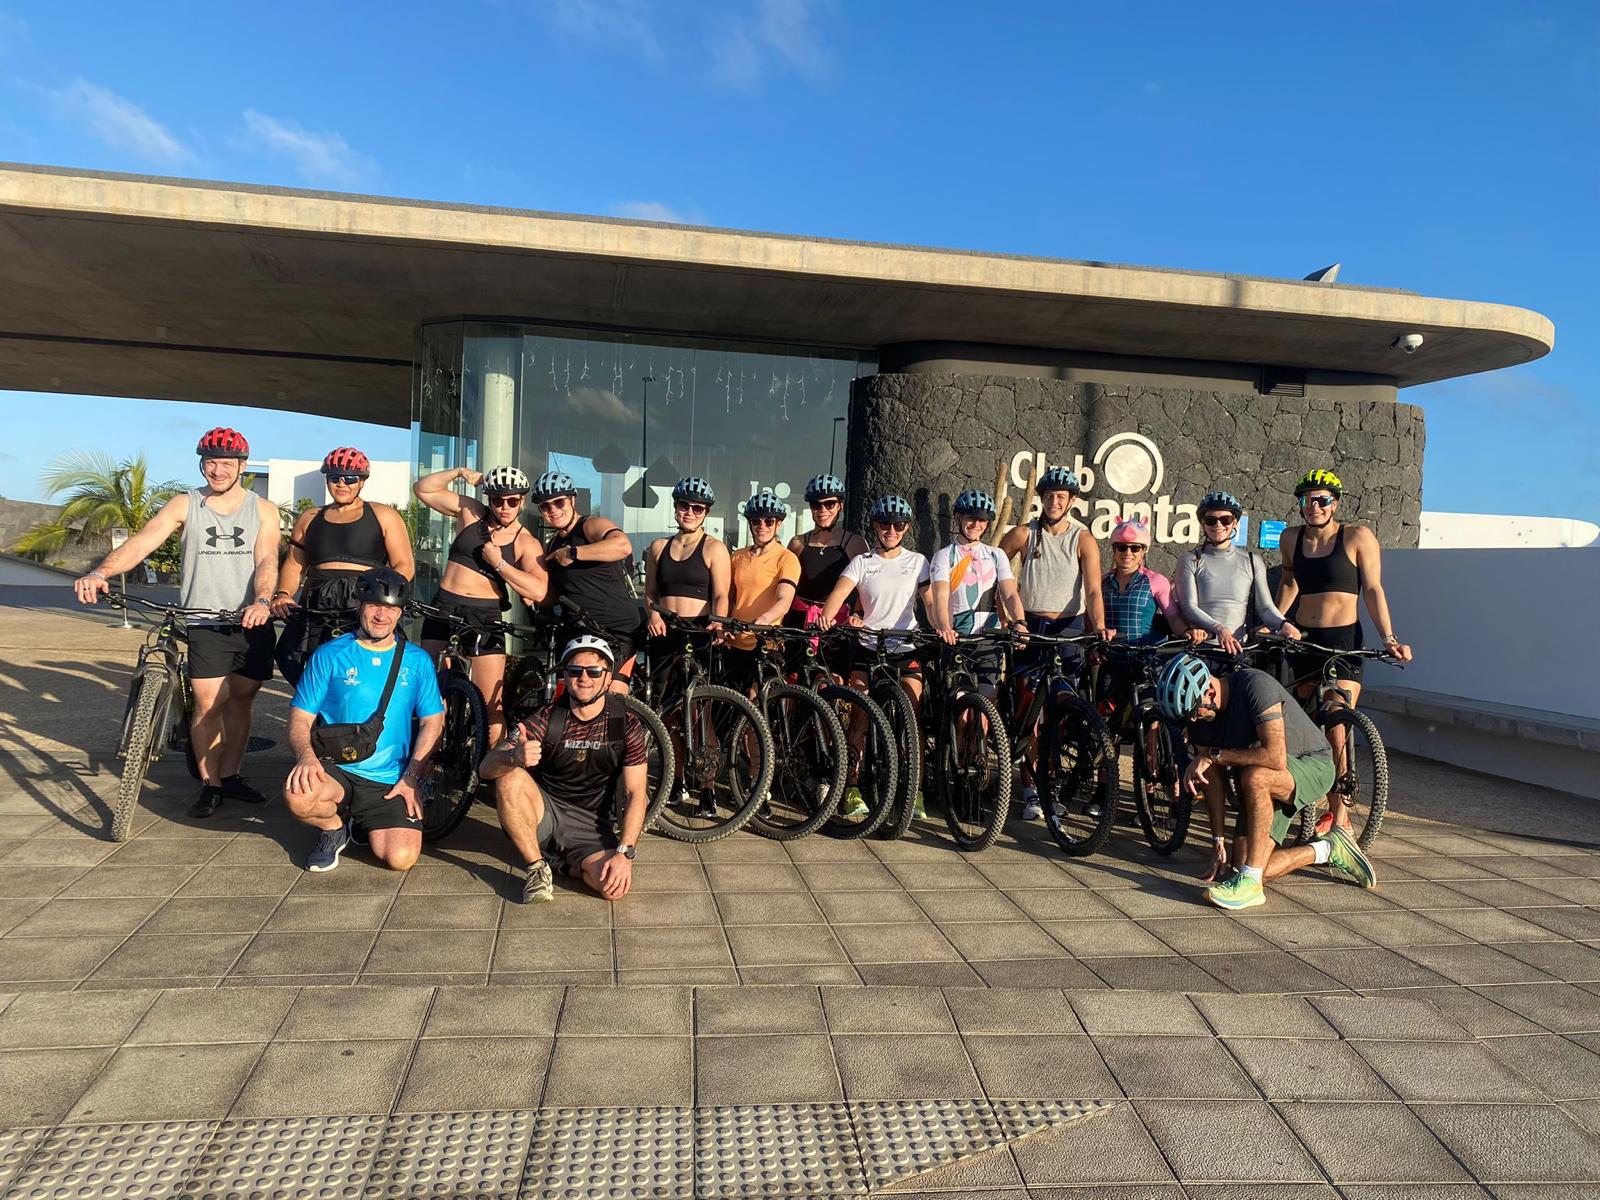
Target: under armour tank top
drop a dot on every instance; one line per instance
(1331, 572)
(467, 549)
(1050, 579)
(219, 555)
(820, 568)
(689, 578)
(358, 541)
(600, 589)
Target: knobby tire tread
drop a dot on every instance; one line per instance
(885, 762)
(441, 824)
(833, 733)
(1001, 743)
(902, 716)
(759, 786)
(149, 687)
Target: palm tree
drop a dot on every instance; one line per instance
(100, 495)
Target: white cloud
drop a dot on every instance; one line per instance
(652, 210)
(318, 157)
(779, 34)
(621, 21)
(120, 123)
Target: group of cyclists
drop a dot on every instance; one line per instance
(367, 714)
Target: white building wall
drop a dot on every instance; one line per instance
(286, 481)
(1483, 531)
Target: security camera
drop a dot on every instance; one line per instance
(1410, 343)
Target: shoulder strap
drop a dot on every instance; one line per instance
(555, 728)
(388, 684)
(616, 725)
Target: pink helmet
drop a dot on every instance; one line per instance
(1131, 531)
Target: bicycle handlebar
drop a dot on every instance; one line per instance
(123, 600)
(1277, 641)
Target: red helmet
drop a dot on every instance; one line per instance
(223, 443)
(346, 460)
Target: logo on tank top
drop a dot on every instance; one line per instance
(1129, 465)
(217, 534)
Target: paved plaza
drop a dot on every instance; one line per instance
(189, 1013)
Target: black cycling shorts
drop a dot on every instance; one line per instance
(569, 834)
(476, 611)
(1340, 637)
(219, 650)
(363, 804)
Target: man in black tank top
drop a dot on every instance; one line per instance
(586, 560)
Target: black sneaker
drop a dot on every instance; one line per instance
(330, 844)
(539, 885)
(235, 788)
(358, 835)
(207, 802)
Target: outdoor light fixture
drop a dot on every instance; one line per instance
(1408, 343)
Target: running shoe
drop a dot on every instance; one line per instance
(1238, 891)
(539, 884)
(1346, 856)
(852, 805)
(207, 802)
(1030, 803)
(235, 788)
(330, 844)
(919, 809)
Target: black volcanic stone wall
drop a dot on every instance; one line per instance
(927, 437)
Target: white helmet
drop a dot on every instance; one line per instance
(504, 481)
(588, 641)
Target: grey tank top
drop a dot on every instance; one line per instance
(219, 555)
(1050, 579)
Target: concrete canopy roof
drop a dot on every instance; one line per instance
(136, 286)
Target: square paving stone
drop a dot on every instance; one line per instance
(1420, 895)
(37, 959)
(1263, 1017)
(895, 1067)
(902, 1140)
(1516, 1143)
(328, 914)
(1041, 1067)
(167, 1083)
(1310, 1069)
(210, 1015)
(40, 1020)
(1274, 972)
(62, 918)
(1140, 1013)
(174, 956)
(110, 881)
(440, 912)
(215, 879)
(553, 950)
(784, 945)
(1475, 964)
(1560, 1067)
(437, 950)
(776, 1150)
(339, 1014)
(569, 910)
(1392, 1142)
(688, 947)
(305, 953)
(1038, 973)
(1389, 1018)
(895, 943)
(868, 908)
(494, 1011)
(627, 1012)
(922, 974)
(1559, 1007)
(1373, 968)
(818, 973)
(1227, 1142)
(1153, 974)
(1502, 893)
(1304, 931)
(1122, 937)
(1174, 1068)
(1014, 875)
(674, 909)
(1492, 925)
(887, 1010)
(982, 1011)
(1399, 928)
(475, 1075)
(1111, 1147)
(210, 914)
(612, 1152)
(1206, 935)
(754, 877)
(1063, 904)
(1442, 1071)
(1417, 1191)
(1001, 939)
(650, 1072)
(38, 1087)
(179, 852)
(967, 904)
(762, 1070)
(759, 1010)
(825, 878)
(1572, 962)
(324, 1079)
(769, 908)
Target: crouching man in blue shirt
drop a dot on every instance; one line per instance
(343, 683)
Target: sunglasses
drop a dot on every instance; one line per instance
(897, 526)
(580, 672)
(825, 504)
(506, 502)
(688, 506)
(1127, 549)
(1317, 501)
(1223, 522)
(763, 520)
(552, 505)
(347, 480)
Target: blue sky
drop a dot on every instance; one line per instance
(1448, 148)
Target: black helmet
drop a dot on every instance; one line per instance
(383, 585)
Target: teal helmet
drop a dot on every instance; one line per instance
(1181, 687)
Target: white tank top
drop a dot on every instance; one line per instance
(219, 554)
(1049, 578)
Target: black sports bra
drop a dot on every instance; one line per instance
(358, 541)
(689, 577)
(1331, 572)
(820, 568)
(467, 549)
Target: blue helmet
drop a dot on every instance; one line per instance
(890, 508)
(552, 484)
(973, 503)
(695, 489)
(765, 503)
(1182, 686)
(1058, 479)
(821, 487)
(1212, 501)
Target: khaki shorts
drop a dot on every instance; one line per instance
(1313, 776)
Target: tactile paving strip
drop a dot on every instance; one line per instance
(611, 1154)
(288, 1158)
(1018, 1118)
(903, 1137)
(452, 1154)
(139, 1162)
(16, 1148)
(776, 1150)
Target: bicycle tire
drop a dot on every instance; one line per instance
(1368, 797)
(877, 767)
(1074, 729)
(143, 743)
(664, 768)
(696, 777)
(902, 715)
(453, 782)
(991, 814)
(1163, 815)
(797, 769)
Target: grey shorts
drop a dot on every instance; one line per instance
(568, 834)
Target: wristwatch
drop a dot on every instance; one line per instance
(626, 850)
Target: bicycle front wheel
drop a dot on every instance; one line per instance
(1363, 783)
(874, 770)
(902, 716)
(659, 763)
(724, 758)
(975, 764)
(453, 782)
(1077, 774)
(809, 764)
(1164, 807)
(141, 742)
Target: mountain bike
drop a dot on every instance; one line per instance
(160, 702)
(970, 768)
(722, 752)
(872, 761)
(1361, 781)
(881, 665)
(1163, 805)
(1074, 760)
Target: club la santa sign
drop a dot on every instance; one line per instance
(1128, 466)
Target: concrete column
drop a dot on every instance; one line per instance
(498, 372)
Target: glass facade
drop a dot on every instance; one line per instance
(627, 415)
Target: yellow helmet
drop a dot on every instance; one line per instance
(1319, 478)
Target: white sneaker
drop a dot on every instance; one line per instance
(1030, 804)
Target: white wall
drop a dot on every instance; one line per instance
(288, 480)
(1509, 626)
(1482, 531)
